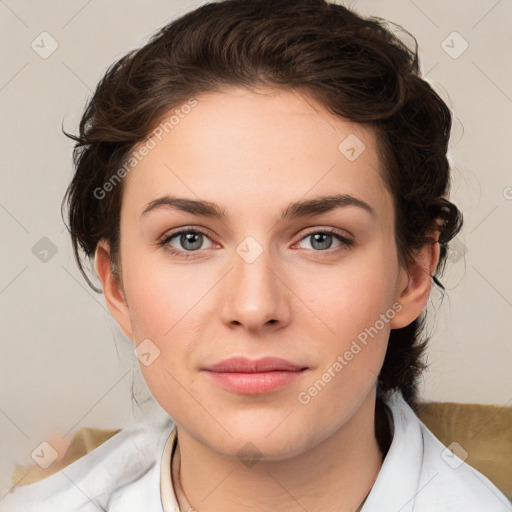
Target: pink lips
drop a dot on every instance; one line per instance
(254, 376)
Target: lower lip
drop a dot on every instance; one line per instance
(255, 383)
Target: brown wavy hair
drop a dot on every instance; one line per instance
(354, 66)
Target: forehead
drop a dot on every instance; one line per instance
(261, 148)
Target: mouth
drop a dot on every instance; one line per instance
(255, 383)
(246, 376)
(261, 365)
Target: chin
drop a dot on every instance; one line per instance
(254, 443)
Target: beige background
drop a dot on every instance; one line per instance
(64, 363)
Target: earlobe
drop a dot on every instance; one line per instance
(112, 288)
(414, 294)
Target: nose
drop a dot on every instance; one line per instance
(254, 293)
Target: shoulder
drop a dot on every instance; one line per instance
(445, 481)
(130, 460)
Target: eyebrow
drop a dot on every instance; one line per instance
(306, 208)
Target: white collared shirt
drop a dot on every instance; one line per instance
(131, 472)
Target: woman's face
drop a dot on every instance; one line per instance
(267, 279)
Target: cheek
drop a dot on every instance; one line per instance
(167, 306)
(351, 296)
(355, 305)
(162, 313)
(163, 296)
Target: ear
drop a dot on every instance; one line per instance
(113, 288)
(414, 284)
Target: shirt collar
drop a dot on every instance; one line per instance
(167, 484)
(396, 485)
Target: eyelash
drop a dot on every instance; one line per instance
(347, 243)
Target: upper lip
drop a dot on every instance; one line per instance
(245, 365)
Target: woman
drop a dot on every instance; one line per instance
(264, 187)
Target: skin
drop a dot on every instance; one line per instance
(253, 153)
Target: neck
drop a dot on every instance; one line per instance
(335, 475)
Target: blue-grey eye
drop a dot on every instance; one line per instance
(322, 240)
(187, 240)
